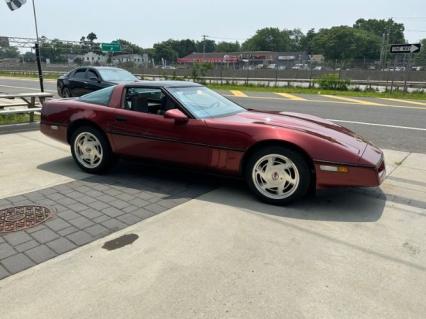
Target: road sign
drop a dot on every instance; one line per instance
(405, 48)
(114, 46)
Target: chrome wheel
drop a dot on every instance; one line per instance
(275, 176)
(88, 150)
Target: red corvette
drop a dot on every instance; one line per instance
(281, 155)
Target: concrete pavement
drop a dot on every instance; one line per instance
(344, 254)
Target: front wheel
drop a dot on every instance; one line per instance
(278, 175)
(66, 93)
(91, 150)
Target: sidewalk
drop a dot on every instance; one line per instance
(344, 254)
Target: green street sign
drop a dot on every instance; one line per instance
(114, 46)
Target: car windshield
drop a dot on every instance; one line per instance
(116, 75)
(204, 103)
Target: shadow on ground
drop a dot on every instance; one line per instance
(341, 204)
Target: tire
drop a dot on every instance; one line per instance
(278, 175)
(91, 150)
(66, 92)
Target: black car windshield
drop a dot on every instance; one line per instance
(204, 103)
(116, 75)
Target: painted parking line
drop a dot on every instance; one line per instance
(382, 125)
(291, 97)
(238, 93)
(348, 99)
(405, 101)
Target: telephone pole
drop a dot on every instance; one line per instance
(37, 51)
(204, 45)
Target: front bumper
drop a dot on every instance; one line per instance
(369, 172)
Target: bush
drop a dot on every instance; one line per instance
(332, 82)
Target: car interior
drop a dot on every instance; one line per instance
(147, 100)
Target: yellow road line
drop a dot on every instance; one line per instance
(405, 101)
(348, 99)
(337, 102)
(291, 97)
(238, 93)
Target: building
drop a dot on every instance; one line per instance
(254, 58)
(317, 58)
(92, 58)
(139, 59)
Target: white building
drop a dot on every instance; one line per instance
(92, 58)
(135, 58)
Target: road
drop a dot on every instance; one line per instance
(391, 124)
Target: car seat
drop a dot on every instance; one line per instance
(139, 103)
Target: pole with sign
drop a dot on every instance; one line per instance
(405, 48)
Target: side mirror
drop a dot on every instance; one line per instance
(94, 79)
(176, 115)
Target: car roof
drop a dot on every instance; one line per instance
(164, 84)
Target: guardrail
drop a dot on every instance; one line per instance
(261, 81)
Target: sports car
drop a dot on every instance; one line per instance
(84, 80)
(281, 155)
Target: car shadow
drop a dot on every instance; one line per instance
(336, 204)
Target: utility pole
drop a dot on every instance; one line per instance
(37, 50)
(204, 45)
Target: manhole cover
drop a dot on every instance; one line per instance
(21, 217)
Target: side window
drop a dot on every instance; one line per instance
(147, 100)
(79, 74)
(100, 97)
(91, 74)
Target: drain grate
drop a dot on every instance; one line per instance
(13, 219)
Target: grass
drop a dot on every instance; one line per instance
(298, 90)
(17, 118)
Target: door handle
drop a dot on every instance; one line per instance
(121, 118)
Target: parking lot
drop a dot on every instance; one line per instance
(204, 247)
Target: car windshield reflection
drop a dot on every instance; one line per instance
(205, 103)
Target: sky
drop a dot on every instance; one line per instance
(145, 22)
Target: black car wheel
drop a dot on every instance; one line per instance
(66, 92)
(91, 150)
(278, 175)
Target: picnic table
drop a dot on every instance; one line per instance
(25, 99)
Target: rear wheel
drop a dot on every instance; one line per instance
(66, 92)
(278, 175)
(91, 150)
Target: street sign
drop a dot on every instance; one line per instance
(405, 48)
(114, 46)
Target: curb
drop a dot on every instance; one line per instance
(18, 128)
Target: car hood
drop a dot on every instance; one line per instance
(309, 124)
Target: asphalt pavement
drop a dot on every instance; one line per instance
(391, 124)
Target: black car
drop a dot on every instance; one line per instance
(84, 80)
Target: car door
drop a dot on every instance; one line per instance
(140, 129)
(93, 81)
(77, 82)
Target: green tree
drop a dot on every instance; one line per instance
(346, 43)
(296, 39)
(164, 51)
(228, 46)
(421, 56)
(268, 39)
(130, 47)
(306, 43)
(208, 45)
(92, 37)
(380, 27)
(9, 52)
